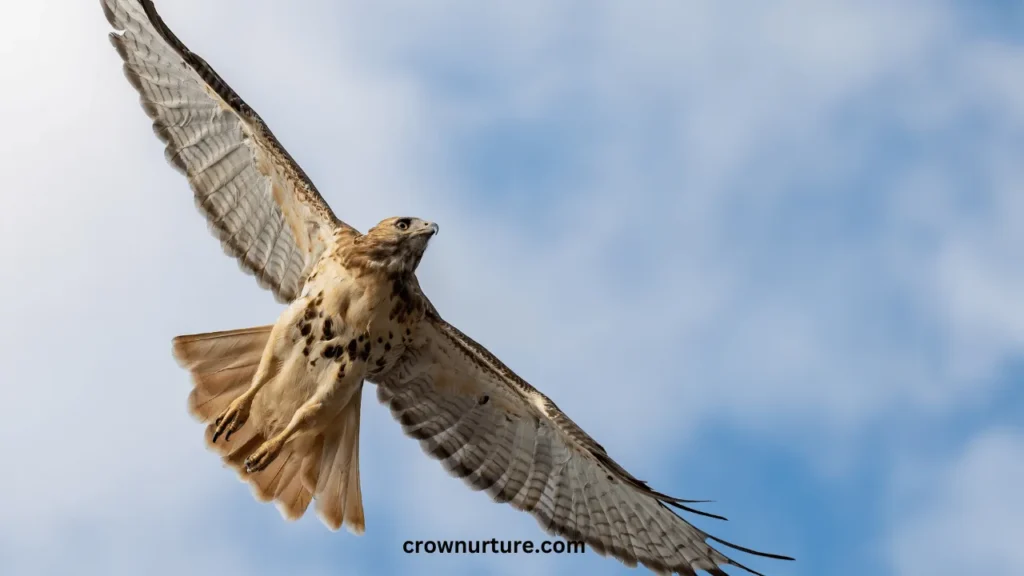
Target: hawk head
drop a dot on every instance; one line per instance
(395, 245)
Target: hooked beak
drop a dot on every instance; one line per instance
(430, 229)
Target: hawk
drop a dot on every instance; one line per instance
(281, 402)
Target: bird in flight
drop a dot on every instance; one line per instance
(281, 402)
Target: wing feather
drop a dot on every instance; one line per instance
(257, 200)
(502, 436)
(507, 487)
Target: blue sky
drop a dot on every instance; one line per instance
(796, 224)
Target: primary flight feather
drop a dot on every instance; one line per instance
(281, 402)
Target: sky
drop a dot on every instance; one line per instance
(798, 223)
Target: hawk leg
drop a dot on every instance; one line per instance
(235, 415)
(313, 415)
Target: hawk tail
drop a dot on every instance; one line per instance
(222, 365)
(339, 500)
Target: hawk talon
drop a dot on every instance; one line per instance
(230, 420)
(250, 467)
(262, 457)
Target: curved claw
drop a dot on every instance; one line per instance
(262, 457)
(229, 421)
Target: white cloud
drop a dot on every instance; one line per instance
(966, 518)
(698, 253)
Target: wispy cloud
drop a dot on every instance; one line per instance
(795, 224)
(966, 512)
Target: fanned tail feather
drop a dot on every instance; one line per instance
(339, 500)
(222, 366)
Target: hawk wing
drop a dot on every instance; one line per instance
(499, 434)
(257, 200)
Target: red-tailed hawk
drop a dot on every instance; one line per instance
(282, 402)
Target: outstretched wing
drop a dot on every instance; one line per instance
(256, 199)
(499, 434)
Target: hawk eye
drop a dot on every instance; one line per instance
(402, 224)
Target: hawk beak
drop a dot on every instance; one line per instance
(432, 229)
